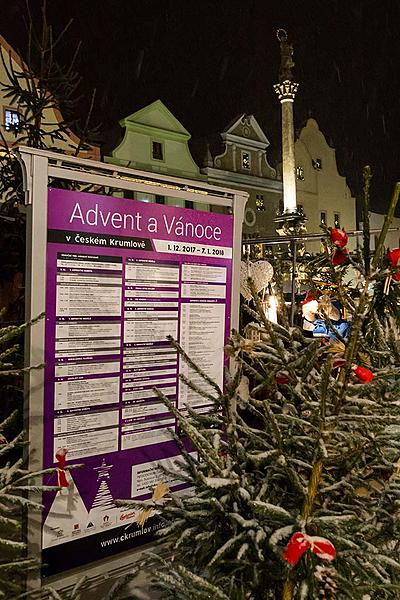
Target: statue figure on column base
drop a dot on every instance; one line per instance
(287, 62)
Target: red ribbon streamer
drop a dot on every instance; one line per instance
(61, 476)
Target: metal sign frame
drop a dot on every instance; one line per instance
(38, 167)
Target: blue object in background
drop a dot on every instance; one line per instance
(321, 329)
(341, 325)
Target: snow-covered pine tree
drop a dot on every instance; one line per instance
(41, 84)
(303, 444)
(15, 481)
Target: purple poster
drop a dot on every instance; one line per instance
(122, 275)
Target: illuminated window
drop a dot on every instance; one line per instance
(317, 164)
(157, 149)
(260, 202)
(336, 220)
(323, 218)
(12, 119)
(245, 160)
(300, 173)
(149, 198)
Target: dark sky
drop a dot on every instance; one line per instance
(211, 60)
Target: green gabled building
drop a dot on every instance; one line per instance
(155, 141)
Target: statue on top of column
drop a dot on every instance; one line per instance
(287, 62)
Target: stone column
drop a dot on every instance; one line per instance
(286, 91)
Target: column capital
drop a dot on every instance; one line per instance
(286, 90)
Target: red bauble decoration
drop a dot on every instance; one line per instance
(363, 374)
(394, 258)
(299, 543)
(339, 256)
(338, 237)
(3, 440)
(61, 455)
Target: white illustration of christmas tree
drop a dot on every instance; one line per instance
(103, 500)
(103, 512)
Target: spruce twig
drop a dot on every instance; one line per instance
(367, 176)
(387, 222)
(193, 365)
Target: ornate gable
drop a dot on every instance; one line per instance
(246, 127)
(245, 149)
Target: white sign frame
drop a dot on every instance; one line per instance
(38, 167)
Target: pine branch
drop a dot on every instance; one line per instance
(191, 364)
(204, 448)
(367, 176)
(386, 224)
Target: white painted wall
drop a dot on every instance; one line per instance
(323, 190)
(393, 237)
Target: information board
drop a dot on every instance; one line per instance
(122, 275)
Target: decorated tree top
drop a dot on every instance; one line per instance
(296, 479)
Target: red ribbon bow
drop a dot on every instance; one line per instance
(339, 256)
(338, 237)
(394, 258)
(61, 455)
(363, 374)
(299, 543)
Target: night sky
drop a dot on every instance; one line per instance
(209, 61)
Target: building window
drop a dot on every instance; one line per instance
(300, 173)
(188, 204)
(157, 150)
(160, 199)
(336, 220)
(245, 160)
(12, 119)
(144, 197)
(260, 202)
(323, 218)
(317, 164)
